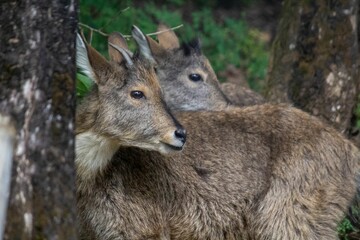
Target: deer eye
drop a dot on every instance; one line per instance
(137, 94)
(195, 77)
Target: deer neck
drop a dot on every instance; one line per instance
(93, 151)
(93, 154)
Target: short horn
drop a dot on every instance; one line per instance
(141, 40)
(124, 53)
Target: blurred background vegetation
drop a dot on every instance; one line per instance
(236, 33)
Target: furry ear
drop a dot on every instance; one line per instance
(194, 46)
(168, 38)
(82, 58)
(155, 47)
(143, 44)
(118, 40)
(90, 62)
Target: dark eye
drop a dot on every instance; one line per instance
(137, 94)
(155, 69)
(195, 77)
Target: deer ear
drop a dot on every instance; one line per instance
(168, 38)
(82, 58)
(143, 44)
(118, 40)
(89, 61)
(155, 47)
(194, 46)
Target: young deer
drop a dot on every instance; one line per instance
(261, 172)
(125, 108)
(188, 79)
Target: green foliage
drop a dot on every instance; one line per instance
(224, 43)
(83, 85)
(344, 228)
(349, 229)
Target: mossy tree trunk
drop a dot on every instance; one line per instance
(314, 61)
(37, 87)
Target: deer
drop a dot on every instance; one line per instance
(193, 84)
(258, 172)
(125, 95)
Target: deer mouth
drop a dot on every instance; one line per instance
(172, 147)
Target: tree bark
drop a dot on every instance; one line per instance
(37, 90)
(314, 58)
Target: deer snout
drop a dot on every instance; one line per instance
(180, 133)
(174, 140)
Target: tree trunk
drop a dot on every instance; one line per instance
(37, 87)
(314, 59)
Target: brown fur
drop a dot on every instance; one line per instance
(262, 172)
(241, 96)
(167, 39)
(236, 88)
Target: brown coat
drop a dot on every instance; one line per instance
(262, 172)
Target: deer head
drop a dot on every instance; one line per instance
(185, 74)
(126, 103)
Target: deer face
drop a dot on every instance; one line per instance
(185, 74)
(135, 112)
(131, 110)
(189, 82)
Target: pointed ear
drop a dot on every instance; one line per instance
(168, 38)
(89, 61)
(143, 44)
(118, 40)
(155, 47)
(82, 58)
(194, 46)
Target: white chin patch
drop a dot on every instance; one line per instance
(163, 148)
(167, 148)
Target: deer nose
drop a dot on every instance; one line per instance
(180, 133)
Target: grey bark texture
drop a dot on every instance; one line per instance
(314, 60)
(314, 64)
(37, 91)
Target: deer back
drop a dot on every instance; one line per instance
(262, 172)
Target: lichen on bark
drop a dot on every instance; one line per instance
(37, 89)
(314, 63)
